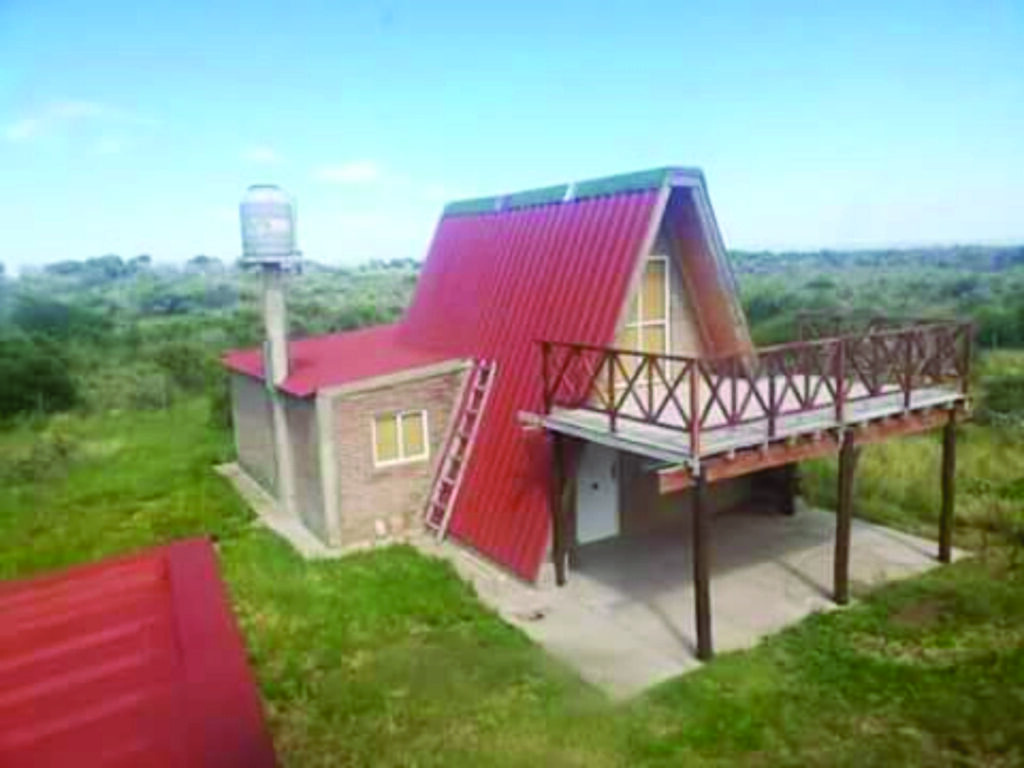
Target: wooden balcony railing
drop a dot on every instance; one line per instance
(698, 395)
(830, 324)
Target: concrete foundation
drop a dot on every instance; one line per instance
(625, 620)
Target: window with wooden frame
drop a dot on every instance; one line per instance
(400, 437)
(647, 323)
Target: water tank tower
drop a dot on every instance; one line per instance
(268, 243)
(268, 227)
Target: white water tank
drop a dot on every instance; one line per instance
(268, 226)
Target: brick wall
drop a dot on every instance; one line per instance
(254, 430)
(302, 431)
(391, 497)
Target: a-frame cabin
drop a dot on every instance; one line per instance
(576, 365)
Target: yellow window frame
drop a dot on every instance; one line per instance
(403, 454)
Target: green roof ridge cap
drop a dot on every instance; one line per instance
(621, 182)
(539, 196)
(635, 181)
(471, 206)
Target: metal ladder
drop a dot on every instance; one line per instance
(458, 448)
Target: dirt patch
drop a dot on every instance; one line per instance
(919, 614)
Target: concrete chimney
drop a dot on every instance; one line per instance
(268, 242)
(275, 320)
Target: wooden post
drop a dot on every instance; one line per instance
(558, 532)
(965, 384)
(840, 382)
(702, 566)
(789, 481)
(948, 489)
(844, 517)
(694, 409)
(611, 358)
(908, 365)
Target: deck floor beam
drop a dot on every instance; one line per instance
(811, 446)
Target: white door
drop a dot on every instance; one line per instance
(597, 494)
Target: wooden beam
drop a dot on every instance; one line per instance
(702, 567)
(718, 468)
(844, 520)
(900, 426)
(801, 448)
(948, 489)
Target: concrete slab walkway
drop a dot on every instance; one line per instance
(625, 620)
(269, 513)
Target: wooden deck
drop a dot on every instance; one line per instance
(706, 419)
(670, 442)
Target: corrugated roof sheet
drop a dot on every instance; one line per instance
(338, 358)
(494, 283)
(128, 662)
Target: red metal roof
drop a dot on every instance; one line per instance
(494, 283)
(338, 358)
(128, 662)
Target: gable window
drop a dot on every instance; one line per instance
(399, 437)
(646, 327)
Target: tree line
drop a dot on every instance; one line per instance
(109, 332)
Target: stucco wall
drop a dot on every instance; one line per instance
(392, 495)
(302, 430)
(254, 431)
(644, 509)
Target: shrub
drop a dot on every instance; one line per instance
(190, 366)
(142, 386)
(220, 402)
(48, 454)
(1002, 399)
(34, 376)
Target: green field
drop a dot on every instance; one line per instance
(386, 658)
(113, 413)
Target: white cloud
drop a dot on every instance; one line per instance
(261, 155)
(355, 172)
(76, 109)
(23, 129)
(65, 115)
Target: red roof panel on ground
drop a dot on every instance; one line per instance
(338, 358)
(128, 662)
(493, 284)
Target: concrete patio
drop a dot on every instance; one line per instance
(625, 619)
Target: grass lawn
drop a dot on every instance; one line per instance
(386, 658)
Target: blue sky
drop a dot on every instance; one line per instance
(131, 127)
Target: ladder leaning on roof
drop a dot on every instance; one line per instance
(459, 447)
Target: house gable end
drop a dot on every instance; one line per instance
(704, 311)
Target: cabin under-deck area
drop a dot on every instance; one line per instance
(692, 428)
(625, 618)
